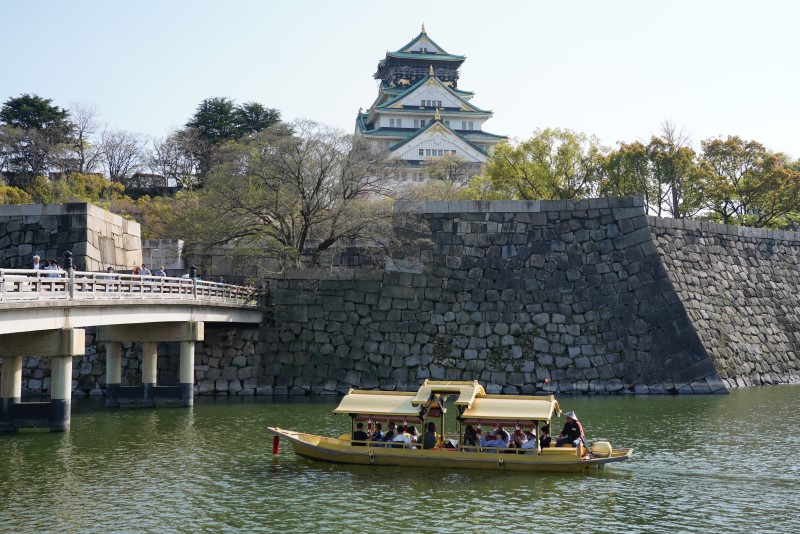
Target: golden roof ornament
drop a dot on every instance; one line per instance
(437, 116)
(423, 28)
(430, 72)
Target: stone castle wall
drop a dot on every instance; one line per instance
(96, 238)
(739, 287)
(524, 296)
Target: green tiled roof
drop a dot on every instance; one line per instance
(480, 135)
(430, 125)
(421, 81)
(416, 39)
(419, 55)
(398, 90)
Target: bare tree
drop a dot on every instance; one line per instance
(299, 193)
(174, 158)
(84, 120)
(122, 154)
(451, 169)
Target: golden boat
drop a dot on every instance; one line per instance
(475, 408)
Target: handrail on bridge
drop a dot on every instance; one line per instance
(19, 285)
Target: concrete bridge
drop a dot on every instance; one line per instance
(44, 313)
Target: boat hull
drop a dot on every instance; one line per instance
(333, 450)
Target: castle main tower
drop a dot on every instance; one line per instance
(420, 112)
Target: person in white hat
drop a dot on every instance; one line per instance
(572, 433)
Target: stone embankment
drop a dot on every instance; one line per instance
(523, 296)
(739, 287)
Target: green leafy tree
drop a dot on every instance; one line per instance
(665, 172)
(218, 120)
(553, 164)
(75, 187)
(628, 171)
(14, 195)
(749, 185)
(34, 131)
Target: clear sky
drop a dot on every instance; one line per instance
(616, 69)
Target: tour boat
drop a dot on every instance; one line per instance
(474, 408)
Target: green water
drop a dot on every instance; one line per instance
(701, 464)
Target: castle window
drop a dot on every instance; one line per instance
(422, 122)
(400, 123)
(470, 125)
(391, 123)
(463, 125)
(421, 151)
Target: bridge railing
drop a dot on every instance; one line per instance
(32, 285)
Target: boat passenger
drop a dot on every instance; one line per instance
(359, 434)
(519, 441)
(471, 438)
(404, 440)
(572, 433)
(413, 434)
(430, 439)
(499, 439)
(378, 434)
(545, 439)
(531, 444)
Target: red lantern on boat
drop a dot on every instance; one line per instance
(478, 430)
(369, 426)
(405, 425)
(517, 431)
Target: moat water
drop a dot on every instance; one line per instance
(701, 464)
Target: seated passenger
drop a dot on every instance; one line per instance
(519, 441)
(471, 438)
(499, 439)
(389, 432)
(378, 434)
(545, 439)
(531, 444)
(572, 433)
(430, 440)
(359, 434)
(403, 440)
(412, 432)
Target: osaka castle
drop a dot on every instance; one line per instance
(421, 113)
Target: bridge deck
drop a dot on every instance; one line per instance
(40, 300)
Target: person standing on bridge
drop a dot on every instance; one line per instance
(52, 265)
(36, 263)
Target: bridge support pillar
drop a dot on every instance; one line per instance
(60, 345)
(149, 371)
(187, 333)
(60, 393)
(187, 373)
(10, 391)
(113, 372)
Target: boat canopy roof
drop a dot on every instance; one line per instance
(474, 404)
(524, 410)
(467, 391)
(390, 405)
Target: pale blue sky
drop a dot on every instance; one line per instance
(616, 69)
